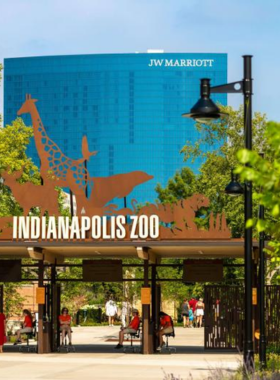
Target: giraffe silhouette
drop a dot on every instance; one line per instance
(52, 159)
(73, 173)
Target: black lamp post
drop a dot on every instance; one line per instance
(204, 111)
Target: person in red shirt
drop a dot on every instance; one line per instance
(193, 303)
(3, 338)
(132, 328)
(27, 326)
(65, 326)
(166, 327)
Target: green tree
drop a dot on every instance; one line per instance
(1, 68)
(14, 140)
(218, 145)
(181, 186)
(264, 172)
(13, 301)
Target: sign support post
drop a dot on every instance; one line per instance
(146, 314)
(41, 348)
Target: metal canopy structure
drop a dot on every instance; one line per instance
(149, 250)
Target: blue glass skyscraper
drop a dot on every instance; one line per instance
(128, 105)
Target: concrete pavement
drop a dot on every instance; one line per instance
(95, 358)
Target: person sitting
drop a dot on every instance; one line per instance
(27, 326)
(65, 326)
(166, 327)
(130, 329)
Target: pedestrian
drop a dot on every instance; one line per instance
(125, 312)
(185, 313)
(3, 338)
(111, 310)
(199, 312)
(191, 317)
(192, 303)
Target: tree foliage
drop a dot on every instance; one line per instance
(264, 172)
(218, 145)
(181, 186)
(14, 140)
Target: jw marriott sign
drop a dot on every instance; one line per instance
(181, 62)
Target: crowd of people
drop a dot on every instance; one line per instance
(192, 312)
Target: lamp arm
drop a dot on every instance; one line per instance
(228, 88)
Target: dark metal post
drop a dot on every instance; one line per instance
(146, 315)
(1, 298)
(247, 91)
(86, 188)
(54, 311)
(154, 305)
(71, 204)
(41, 348)
(262, 349)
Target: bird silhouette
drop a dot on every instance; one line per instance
(85, 150)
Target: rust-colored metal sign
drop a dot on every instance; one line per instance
(203, 270)
(174, 221)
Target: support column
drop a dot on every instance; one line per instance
(1, 298)
(146, 334)
(156, 296)
(54, 310)
(41, 348)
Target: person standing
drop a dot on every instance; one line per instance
(185, 313)
(199, 312)
(193, 303)
(191, 318)
(3, 338)
(111, 311)
(125, 313)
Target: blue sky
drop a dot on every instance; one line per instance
(236, 27)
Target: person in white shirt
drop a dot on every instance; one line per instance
(111, 310)
(125, 313)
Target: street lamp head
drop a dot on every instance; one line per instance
(205, 110)
(234, 188)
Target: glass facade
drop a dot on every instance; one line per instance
(128, 105)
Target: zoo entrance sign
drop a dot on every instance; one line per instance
(81, 228)
(96, 217)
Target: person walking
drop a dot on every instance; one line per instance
(191, 318)
(192, 303)
(111, 311)
(3, 338)
(185, 313)
(199, 312)
(125, 312)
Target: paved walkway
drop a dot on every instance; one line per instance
(95, 358)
